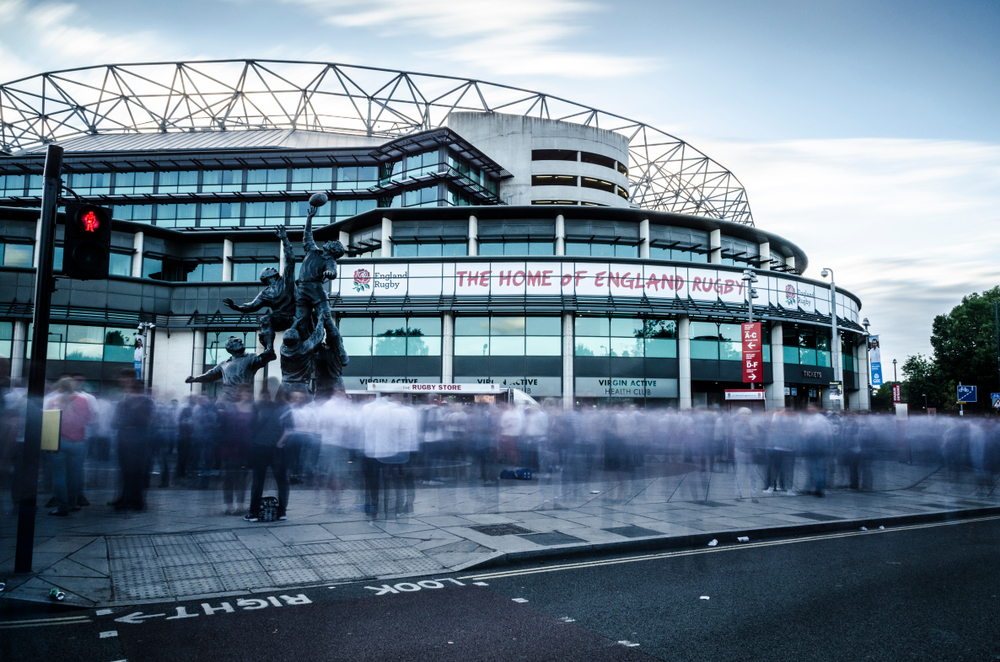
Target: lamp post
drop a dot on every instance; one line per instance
(894, 371)
(835, 340)
(925, 402)
(749, 278)
(868, 364)
(142, 357)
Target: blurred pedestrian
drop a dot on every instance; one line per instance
(67, 464)
(133, 422)
(271, 423)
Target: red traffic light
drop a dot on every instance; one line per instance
(89, 221)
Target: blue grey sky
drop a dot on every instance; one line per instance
(864, 131)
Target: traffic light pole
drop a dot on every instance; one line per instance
(44, 281)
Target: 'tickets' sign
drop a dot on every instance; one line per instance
(753, 367)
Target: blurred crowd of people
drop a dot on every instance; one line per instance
(372, 456)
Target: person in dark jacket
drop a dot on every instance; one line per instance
(271, 423)
(133, 421)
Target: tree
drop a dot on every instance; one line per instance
(882, 398)
(921, 377)
(965, 344)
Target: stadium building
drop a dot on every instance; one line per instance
(494, 235)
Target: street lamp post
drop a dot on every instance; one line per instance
(868, 364)
(894, 371)
(837, 363)
(749, 278)
(925, 402)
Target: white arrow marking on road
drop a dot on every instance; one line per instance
(136, 617)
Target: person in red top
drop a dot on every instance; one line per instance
(67, 463)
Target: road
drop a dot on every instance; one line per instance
(926, 592)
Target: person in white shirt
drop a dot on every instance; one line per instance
(390, 438)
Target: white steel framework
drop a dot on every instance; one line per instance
(665, 173)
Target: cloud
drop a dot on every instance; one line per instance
(513, 37)
(60, 36)
(910, 226)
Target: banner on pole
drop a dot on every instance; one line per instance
(875, 359)
(753, 368)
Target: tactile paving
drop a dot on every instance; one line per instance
(224, 546)
(360, 558)
(305, 576)
(231, 555)
(175, 573)
(196, 586)
(213, 536)
(418, 565)
(172, 539)
(388, 543)
(118, 545)
(321, 560)
(351, 546)
(138, 576)
(186, 547)
(403, 553)
(336, 572)
(314, 548)
(183, 559)
(378, 569)
(134, 553)
(272, 552)
(247, 580)
(145, 592)
(237, 568)
(283, 563)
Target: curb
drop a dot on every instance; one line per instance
(701, 539)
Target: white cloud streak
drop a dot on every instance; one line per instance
(515, 37)
(910, 226)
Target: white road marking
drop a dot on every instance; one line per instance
(522, 600)
(480, 583)
(104, 612)
(626, 642)
(729, 548)
(109, 633)
(42, 622)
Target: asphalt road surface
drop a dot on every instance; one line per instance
(926, 592)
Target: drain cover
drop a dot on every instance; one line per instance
(501, 529)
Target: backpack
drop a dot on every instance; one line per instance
(268, 509)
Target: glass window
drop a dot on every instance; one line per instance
(307, 179)
(543, 326)
(267, 180)
(120, 264)
(18, 255)
(791, 355)
(356, 177)
(593, 326)
(472, 326)
(247, 272)
(593, 346)
(627, 347)
(661, 348)
(265, 213)
(220, 214)
(221, 181)
(391, 336)
(705, 349)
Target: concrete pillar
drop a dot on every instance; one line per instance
(715, 245)
(19, 349)
(775, 391)
(560, 235)
(790, 263)
(765, 255)
(644, 239)
(448, 348)
(684, 362)
(344, 238)
(473, 235)
(38, 240)
(227, 265)
(198, 357)
(137, 241)
(386, 237)
(568, 353)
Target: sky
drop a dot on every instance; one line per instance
(864, 132)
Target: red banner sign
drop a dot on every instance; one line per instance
(897, 393)
(753, 365)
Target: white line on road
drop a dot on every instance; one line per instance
(729, 548)
(109, 633)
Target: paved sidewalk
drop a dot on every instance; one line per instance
(180, 549)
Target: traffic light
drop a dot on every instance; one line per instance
(87, 242)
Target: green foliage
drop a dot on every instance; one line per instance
(965, 350)
(920, 377)
(882, 399)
